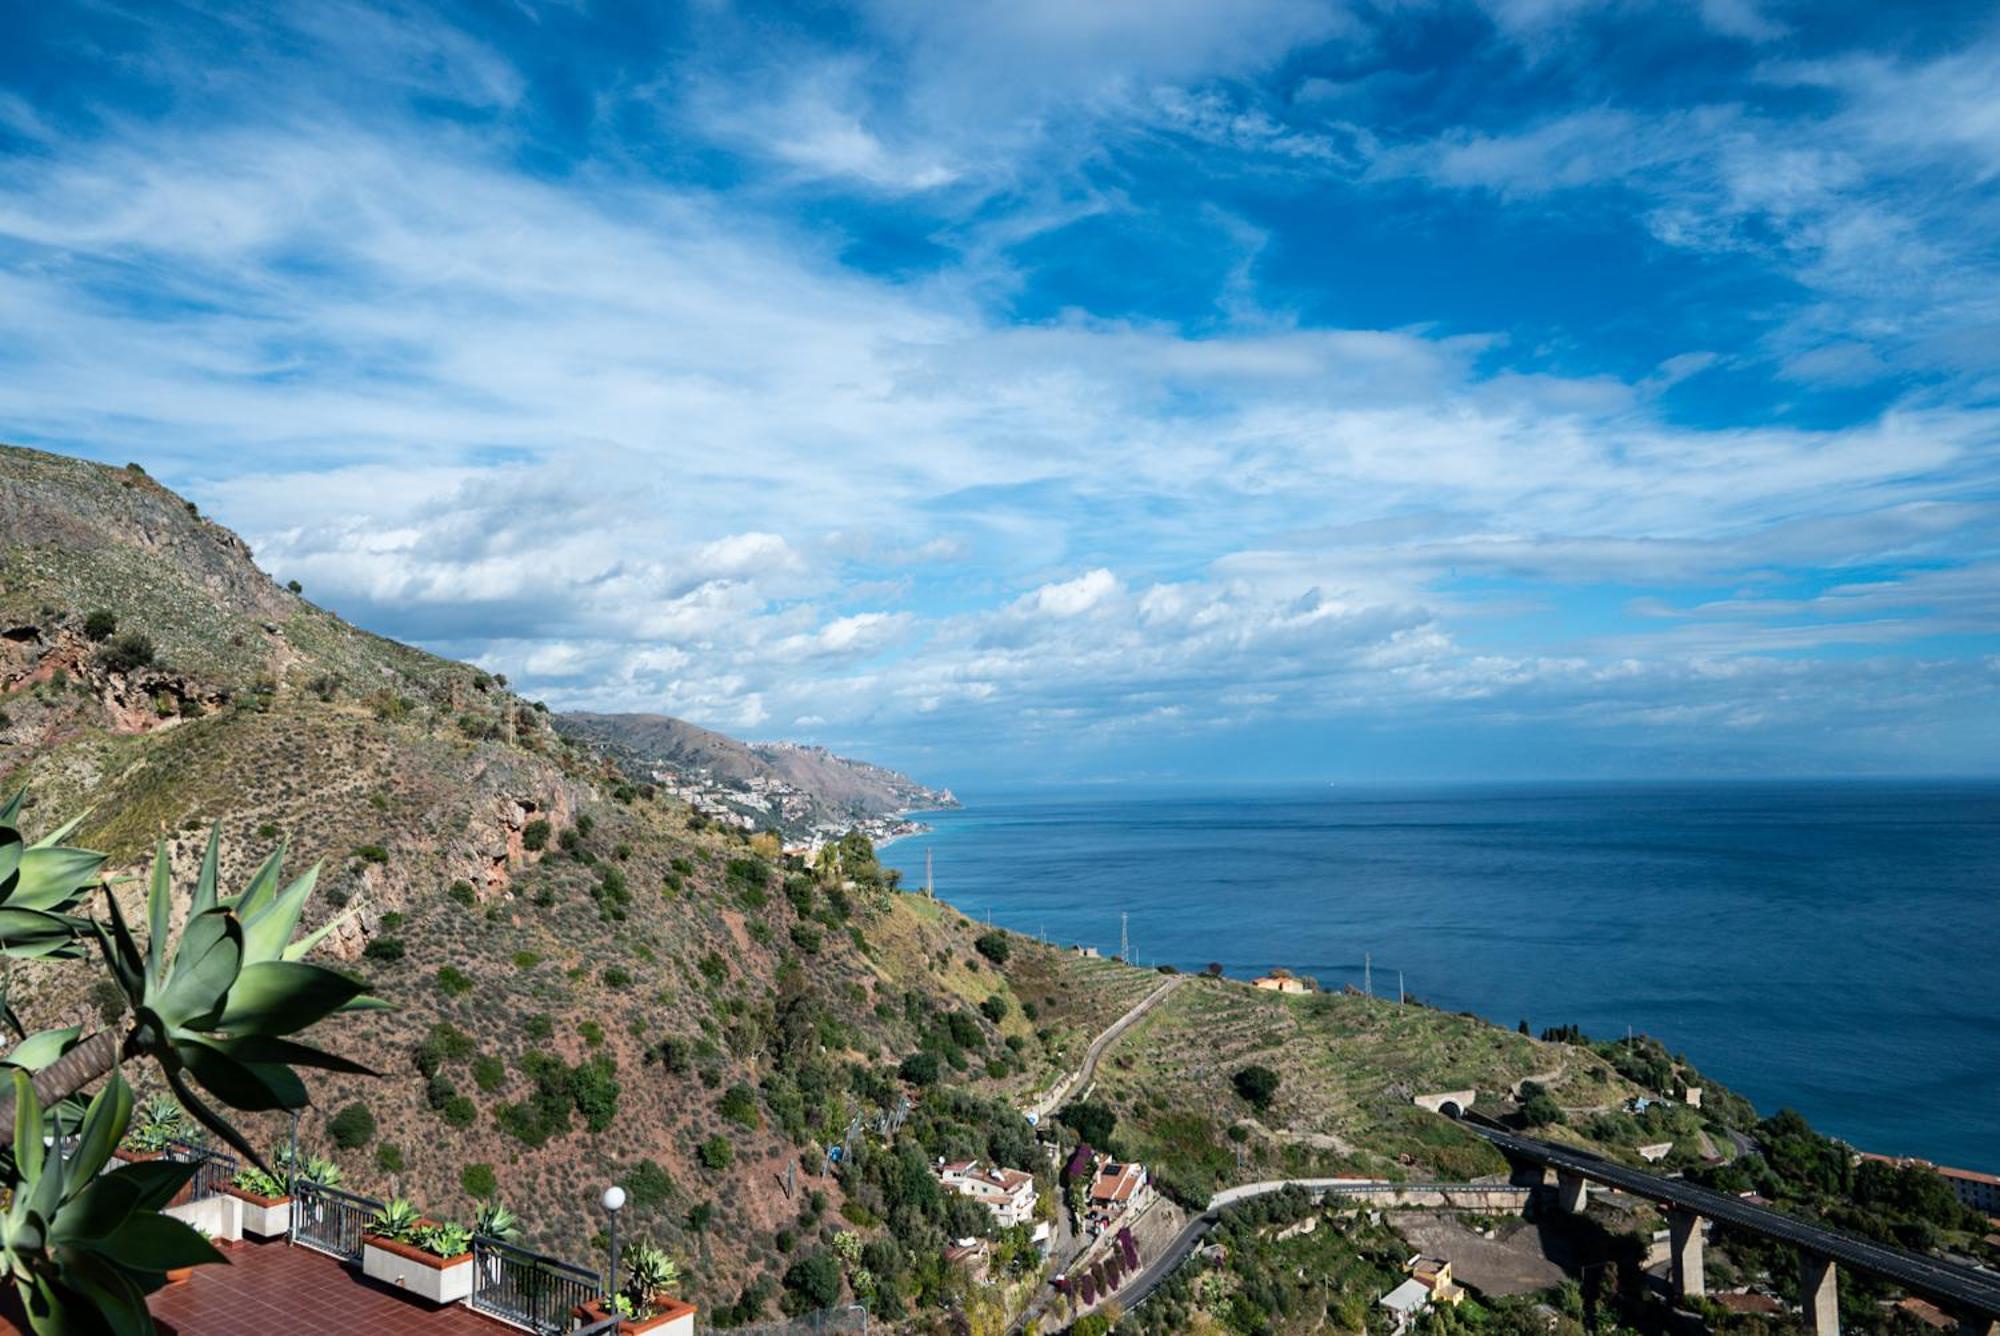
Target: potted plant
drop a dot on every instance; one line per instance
(644, 1305)
(495, 1221)
(428, 1258)
(155, 1124)
(267, 1206)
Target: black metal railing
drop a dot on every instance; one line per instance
(214, 1171)
(330, 1220)
(529, 1289)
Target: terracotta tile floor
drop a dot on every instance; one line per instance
(269, 1287)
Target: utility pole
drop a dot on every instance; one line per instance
(1124, 938)
(930, 890)
(1367, 974)
(1399, 988)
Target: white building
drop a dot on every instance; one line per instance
(1008, 1193)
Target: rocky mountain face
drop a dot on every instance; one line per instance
(593, 983)
(782, 786)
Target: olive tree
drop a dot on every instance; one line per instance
(214, 1009)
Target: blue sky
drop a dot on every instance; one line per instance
(1272, 388)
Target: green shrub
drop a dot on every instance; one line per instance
(460, 1111)
(1257, 1084)
(100, 624)
(541, 1026)
(617, 976)
(994, 1008)
(994, 946)
(919, 1069)
(717, 1153)
(739, 1105)
(452, 981)
(527, 960)
(806, 938)
(649, 1185)
(535, 835)
(488, 1072)
(479, 1181)
(592, 1032)
(352, 1127)
(462, 892)
(391, 921)
(389, 1157)
(388, 950)
(128, 652)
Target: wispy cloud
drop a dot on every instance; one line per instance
(664, 436)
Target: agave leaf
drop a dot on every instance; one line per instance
(262, 886)
(10, 859)
(156, 1180)
(121, 953)
(36, 933)
(261, 1048)
(119, 1299)
(10, 813)
(285, 996)
(159, 917)
(62, 832)
(27, 1128)
(204, 885)
(104, 1122)
(268, 935)
(204, 967)
(53, 878)
(258, 1087)
(210, 1119)
(149, 1241)
(43, 1047)
(99, 1209)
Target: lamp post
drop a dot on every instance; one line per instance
(614, 1201)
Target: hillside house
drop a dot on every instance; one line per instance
(1008, 1193)
(1119, 1187)
(1282, 981)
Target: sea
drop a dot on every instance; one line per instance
(1829, 947)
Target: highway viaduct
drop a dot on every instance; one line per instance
(1969, 1293)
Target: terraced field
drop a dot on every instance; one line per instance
(1347, 1068)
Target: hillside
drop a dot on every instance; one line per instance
(595, 982)
(797, 790)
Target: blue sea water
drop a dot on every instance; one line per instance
(1830, 947)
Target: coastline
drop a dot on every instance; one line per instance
(1558, 906)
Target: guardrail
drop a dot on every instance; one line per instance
(529, 1290)
(214, 1171)
(329, 1220)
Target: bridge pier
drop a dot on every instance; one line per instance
(1685, 1252)
(1572, 1191)
(1819, 1294)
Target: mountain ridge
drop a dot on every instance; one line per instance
(802, 790)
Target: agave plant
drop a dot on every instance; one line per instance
(260, 1183)
(497, 1222)
(84, 1247)
(158, 1121)
(649, 1271)
(214, 1008)
(397, 1220)
(443, 1240)
(39, 884)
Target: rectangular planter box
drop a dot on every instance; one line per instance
(266, 1217)
(442, 1280)
(674, 1318)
